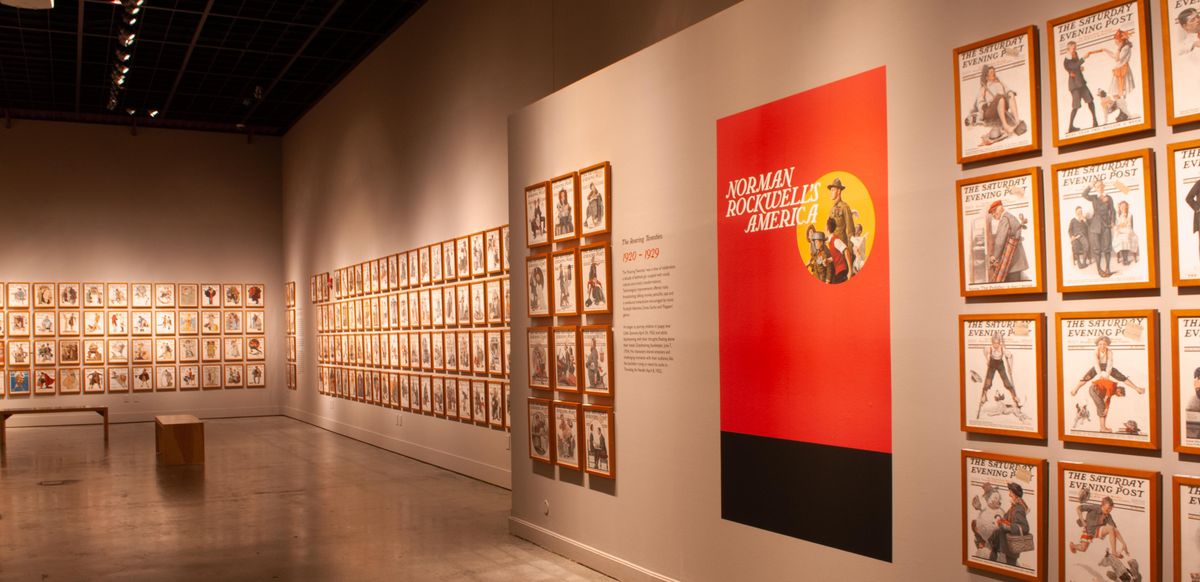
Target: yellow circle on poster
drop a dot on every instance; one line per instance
(813, 237)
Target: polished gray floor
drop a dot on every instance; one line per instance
(277, 500)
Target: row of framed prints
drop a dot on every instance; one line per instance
(573, 435)
(481, 303)
(289, 301)
(571, 359)
(463, 351)
(158, 350)
(471, 400)
(476, 255)
(125, 322)
(571, 206)
(1106, 371)
(1104, 225)
(123, 295)
(1099, 79)
(570, 282)
(1108, 520)
(120, 379)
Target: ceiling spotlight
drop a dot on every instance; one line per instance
(122, 55)
(130, 20)
(153, 113)
(123, 68)
(127, 38)
(131, 111)
(133, 11)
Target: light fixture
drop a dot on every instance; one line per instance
(122, 68)
(127, 38)
(131, 111)
(130, 20)
(153, 113)
(122, 55)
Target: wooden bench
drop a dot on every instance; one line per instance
(179, 439)
(4, 414)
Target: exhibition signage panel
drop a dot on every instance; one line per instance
(805, 339)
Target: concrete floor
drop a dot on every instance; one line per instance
(277, 500)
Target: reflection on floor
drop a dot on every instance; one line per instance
(277, 500)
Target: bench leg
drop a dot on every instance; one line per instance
(3, 431)
(105, 415)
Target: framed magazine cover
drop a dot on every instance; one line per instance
(494, 259)
(1181, 58)
(596, 343)
(1004, 514)
(1000, 234)
(595, 196)
(1104, 223)
(595, 266)
(1107, 378)
(1108, 520)
(1185, 509)
(566, 282)
(538, 282)
(541, 439)
(996, 101)
(568, 434)
(564, 207)
(565, 343)
(1099, 73)
(600, 444)
(1183, 172)
(1185, 379)
(1002, 371)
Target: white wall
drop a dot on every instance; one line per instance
(94, 203)
(653, 116)
(412, 148)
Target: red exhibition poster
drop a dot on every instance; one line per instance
(805, 339)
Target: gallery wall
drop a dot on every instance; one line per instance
(411, 149)
(653, 116)
(91, 203)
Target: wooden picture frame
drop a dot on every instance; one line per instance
(70, 380)
(539, 283)
(493, 252)
(1181, 60)
(69, 295)
(1002, 359)
(1185, 380)
(142, 379)
(1017, 485)
(45, 296)
(564, 207)
(568, 434)
(541, 423)
(1133, 498)
(595, 277)
(211, 377)
(596, 353)
(426, 276)
(232, 295)
(118, 351)
(1087, 344)
(256, 295)
(69, 323)
(210, 295)
(564, 343)
(1122, 45)
(495, 412)
(478, 261)
(119, 379)
(1121, 245)
(990, 115)
(1183, 171)
(565, 265)
(595, 200)
(462, 254)
(18, 295)
(45, 381)
(599, 441)
(70, 352)
(189, 295)
(449, 265)
(94, 295)
(94, 380)
(166, 379)
(537, 215)
(165, 295)
(189, 377)
(993, 211)
(141, 295)
(235, 375)
(1185, 512)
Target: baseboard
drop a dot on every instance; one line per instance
(593, 558)
(497, 476)
(74, 418)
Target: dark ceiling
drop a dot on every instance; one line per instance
(221, 65)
